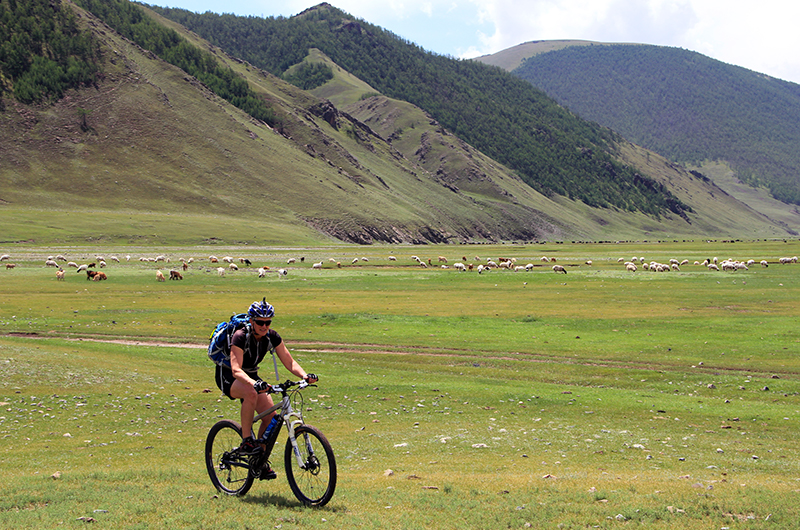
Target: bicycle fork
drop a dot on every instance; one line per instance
(293, 420)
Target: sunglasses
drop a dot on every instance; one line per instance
(262, 322)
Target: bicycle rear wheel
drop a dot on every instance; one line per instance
(229, 471)
(314, 482)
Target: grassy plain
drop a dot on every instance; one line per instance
(599, 398)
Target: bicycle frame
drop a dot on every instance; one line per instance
(286, 416)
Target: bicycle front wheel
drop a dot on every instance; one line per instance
(229, 471)
(313, 477)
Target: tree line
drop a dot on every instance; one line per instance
(550, 148)
(683, 105)
(43, 52)
(130, 21)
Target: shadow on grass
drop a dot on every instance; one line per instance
(282, 501)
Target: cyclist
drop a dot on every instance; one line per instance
(249, 346)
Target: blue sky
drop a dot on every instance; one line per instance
(761, 36)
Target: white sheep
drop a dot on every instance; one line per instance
(392, 258)
(262, 272)
(282, 272)
(221, 271)
(5, 257)
(232, 266)
(51, 263)
(317, 265)
(764, 263)
(559, 268)
(160, 276)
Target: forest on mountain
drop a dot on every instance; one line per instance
(42, 51)
(683, 105)
(551, 149)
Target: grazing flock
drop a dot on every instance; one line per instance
(214, 264)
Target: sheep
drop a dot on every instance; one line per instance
(262, 272)
(392, 258)
(227, 259)
(175, 275)
(675, 267)
(82, 268)
(290, 261)
(90, 274)
(364, 259)
(213, 259)
(51, 263)
(712, 267)
(72, 264)
(115, 259)
(529, 267)
(5, 257)
(102, 264)
(233, 267)
(764, 263)
(355, 260)
(684, 262)
(559, 268)
(10, 265)
(60, 274)
(221, 271)
(99, 276)
(160, 276)
(61, 257)
(589, 262)
(545, 258)
(442, 259)
(282, 272)
(185, 266)
(317, 265)
(481, 268)
(460, 266)
(339, 264)
(630, 267)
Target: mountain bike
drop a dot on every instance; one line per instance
(308, 458)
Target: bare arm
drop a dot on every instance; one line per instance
(289, 362)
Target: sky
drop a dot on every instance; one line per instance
(757, 35)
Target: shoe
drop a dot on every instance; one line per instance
(267, 473)
(250, 446)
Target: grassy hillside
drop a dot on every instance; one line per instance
(681, 104)
(160, 159)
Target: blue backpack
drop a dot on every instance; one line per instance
(219, 347)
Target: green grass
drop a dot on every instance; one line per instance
(593, 399)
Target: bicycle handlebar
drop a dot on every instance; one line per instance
(280, 388)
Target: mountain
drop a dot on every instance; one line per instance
(149, 152)
(719, 118)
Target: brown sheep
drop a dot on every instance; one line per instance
(10, 265)
(100, 276)
(160, 276)
(90, 275)
(175, 275)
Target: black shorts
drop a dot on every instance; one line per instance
(224, 378)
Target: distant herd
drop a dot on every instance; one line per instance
(463, 265)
